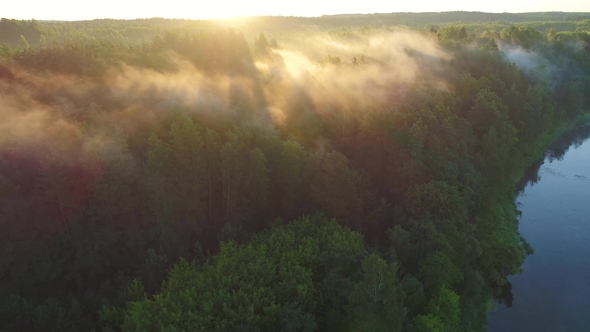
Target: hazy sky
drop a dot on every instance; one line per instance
(83, 10)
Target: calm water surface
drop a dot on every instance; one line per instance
(553, 293)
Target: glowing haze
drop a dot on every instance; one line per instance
(85, 10)
(375, 70)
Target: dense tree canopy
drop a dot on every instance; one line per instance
(174, 175)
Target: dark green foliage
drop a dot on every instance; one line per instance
(270, 283)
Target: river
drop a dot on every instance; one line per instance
(553, 292)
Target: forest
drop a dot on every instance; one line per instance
(339, 173)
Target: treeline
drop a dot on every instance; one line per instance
(20, 34)
(220, 49)
(16, 35)
(155, 210)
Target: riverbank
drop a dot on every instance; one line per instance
(510, 205)
(552, 293)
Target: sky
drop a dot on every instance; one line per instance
(210, 9)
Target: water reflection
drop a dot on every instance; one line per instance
(553, 293)
(558, 149)
(574, 138)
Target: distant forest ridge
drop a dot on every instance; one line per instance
(37, 33)
(439, 17)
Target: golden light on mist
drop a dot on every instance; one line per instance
(289, 81)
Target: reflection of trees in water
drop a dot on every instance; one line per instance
(531, 176)
(558, 149)
(506, 297)
(573, 138)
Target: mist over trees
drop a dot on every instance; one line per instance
(340, 173)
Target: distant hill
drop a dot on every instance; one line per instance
(36, 32)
